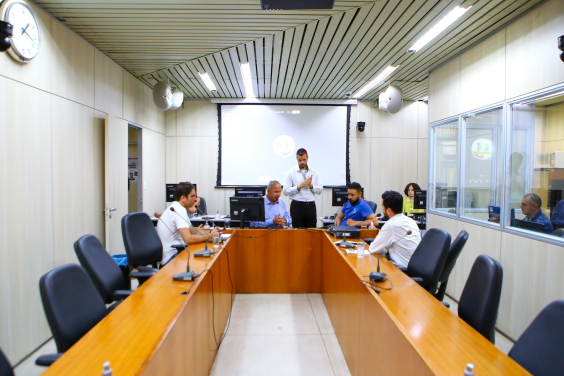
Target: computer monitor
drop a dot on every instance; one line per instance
(339, 195)
(528, 225)
(251, 191)
(170, 191)
(494, 213)
(246, 209)
(420, 200)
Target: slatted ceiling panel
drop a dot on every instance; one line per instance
(250, 48)
(268, 43)
(208, 65)
(320, 52)
(277, 41)
(218, 59)
(233, 55)
(285, 56)
(299, 63)
(259, 64)
(291, 66)
(226, 58)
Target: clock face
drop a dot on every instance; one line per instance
(25, 41)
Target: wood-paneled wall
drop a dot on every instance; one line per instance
(52, 125)
(389, 154)
(517, 60)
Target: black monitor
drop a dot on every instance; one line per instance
(340, 196)
(420, 200)
(494, 213)
(528, 225)
(247, 209)
(170, 191)
(251, 191)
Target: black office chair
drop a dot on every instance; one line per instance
(428, 259)
(72, 306)
(104, 271)
(373, 206)
(479, 301)
(5, 366)
(142, 243)
(559, 232)
(203, 208)
(453, 253)
(539, 349)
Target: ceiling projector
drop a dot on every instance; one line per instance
(296, 4)
(391, 100)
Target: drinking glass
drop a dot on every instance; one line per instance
(360, 250)
(215, 242)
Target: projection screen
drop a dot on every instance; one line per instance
(258, 143)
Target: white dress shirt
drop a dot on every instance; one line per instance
(167, 228)
(294, 177)
(392, 231)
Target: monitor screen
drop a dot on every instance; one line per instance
(420, 200)
(339, 195)
(254, 206)
(528, 225)
(170, 191)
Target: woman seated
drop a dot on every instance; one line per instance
(408, 201)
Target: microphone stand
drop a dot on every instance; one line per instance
(381, 277)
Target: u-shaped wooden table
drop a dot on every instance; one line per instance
(161, 330)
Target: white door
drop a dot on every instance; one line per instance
(116, 182)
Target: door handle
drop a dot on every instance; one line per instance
(109, 211)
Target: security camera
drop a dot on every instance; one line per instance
(561, 46)
(6, 31)
(348, 93)
(360, 126)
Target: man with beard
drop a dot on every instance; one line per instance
(301, 183)
(356, 211)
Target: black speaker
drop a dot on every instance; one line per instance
(360, 126)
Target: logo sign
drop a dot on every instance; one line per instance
(482, 149)
(283, 146)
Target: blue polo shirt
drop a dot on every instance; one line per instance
(541, 218)
(358, 212)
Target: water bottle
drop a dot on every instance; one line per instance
(207, 226)
(217, 215)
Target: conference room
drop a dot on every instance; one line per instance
(271, 110)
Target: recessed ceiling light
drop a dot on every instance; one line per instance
(247, 79)
(381, 77)
(207, 80)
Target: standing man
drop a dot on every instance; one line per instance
(301, 184)
(275, 212)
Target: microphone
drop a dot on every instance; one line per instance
(381, 277)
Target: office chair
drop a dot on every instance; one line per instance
(373, 206)
(559, 232)
(104, 271)
(72, 306)
(453, 253)
(5, 366)
(428, 259)
(479, 301)
(203, 208)
(142, 243)
(539, 349)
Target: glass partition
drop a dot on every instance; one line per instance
(443, 185)
(481, 175)
(535, 201)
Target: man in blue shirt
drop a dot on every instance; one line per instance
(356, 211)
(531, 208)
(275, 211)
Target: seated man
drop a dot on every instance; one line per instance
(531, 208)
(275, 211)
(174, 227)
(397, 227)
(356, 211)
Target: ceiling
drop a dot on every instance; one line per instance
(293, 54)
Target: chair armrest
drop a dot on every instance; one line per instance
(403, 269)
(446, 304)
(179, 247)
(418, 280)
(47, 360)
(147, 269)
(122, 294)
(146, 275)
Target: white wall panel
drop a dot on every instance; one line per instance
(444, 91)
(133, 99)
(108, 85)
(153, 171)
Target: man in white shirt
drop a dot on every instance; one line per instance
(174, 226)
(395, 230)
(301, 183)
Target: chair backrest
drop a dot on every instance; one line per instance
(100, 266)
(539, 349)
(559, 232)
(479, 301)
(5, 367)
(429, 258)
(203, 207)
(373, 206)
(141, 240)
(72, 304)
(452, 255)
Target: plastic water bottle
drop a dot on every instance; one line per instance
(217, 215)
(207, 226)
(469, 369)
(372, 227)
(107, 371)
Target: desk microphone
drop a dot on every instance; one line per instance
(381, 277)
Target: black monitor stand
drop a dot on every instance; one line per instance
(243, 217)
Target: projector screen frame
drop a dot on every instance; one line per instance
(347, 153)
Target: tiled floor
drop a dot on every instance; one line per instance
(280, 334)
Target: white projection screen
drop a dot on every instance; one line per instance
(258, 143)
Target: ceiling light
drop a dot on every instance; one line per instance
(247, 79)
(207, 80)
(381, 77)
(438, 28)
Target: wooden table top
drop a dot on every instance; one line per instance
(444, 341)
